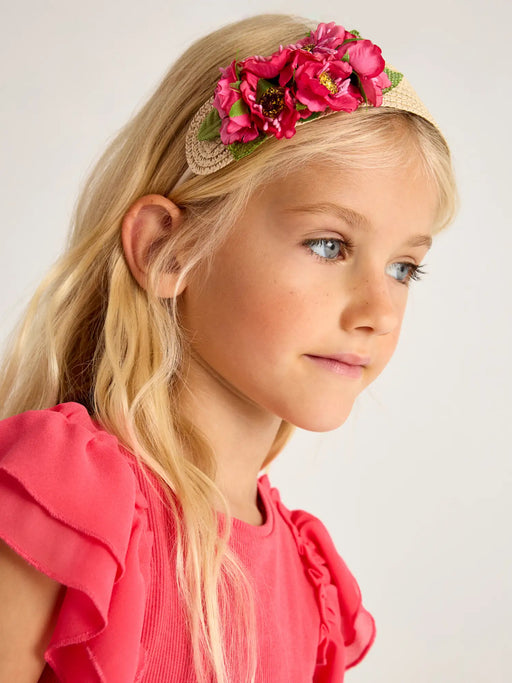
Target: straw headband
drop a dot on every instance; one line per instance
(327, 71)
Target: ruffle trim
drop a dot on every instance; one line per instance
(347, 629)
(71, 508)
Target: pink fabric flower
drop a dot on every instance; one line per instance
(364, 57)
(278, 67)
(329, 69)
(274, 110)
(267, 67)
(238, 127)
(373, 88)
(326, 39)
(283, 125)
(322, 85)
(225, 96)
(366, 60)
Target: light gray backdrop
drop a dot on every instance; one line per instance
(415, 487)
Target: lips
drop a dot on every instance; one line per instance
(348, 358)
(339, 367)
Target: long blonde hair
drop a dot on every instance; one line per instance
(91, 334)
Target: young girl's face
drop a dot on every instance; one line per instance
(272, 301)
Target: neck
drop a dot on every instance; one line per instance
(239, 431)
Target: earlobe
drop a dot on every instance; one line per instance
(147, 220)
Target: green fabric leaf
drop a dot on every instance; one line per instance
(359, 85)
(238, 109)
(394, 76)
(210, 128)
(235, 85)
(300, 107)
(345, 57)
(314, 115)
(239, 150)
(356, 33)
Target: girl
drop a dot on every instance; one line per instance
(231, 273)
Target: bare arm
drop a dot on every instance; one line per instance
(29, 603)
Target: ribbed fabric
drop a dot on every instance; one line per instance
(77, 506)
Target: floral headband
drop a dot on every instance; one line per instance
(327, 71)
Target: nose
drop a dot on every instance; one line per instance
(373, 301)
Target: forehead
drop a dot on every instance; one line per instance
(371, 197)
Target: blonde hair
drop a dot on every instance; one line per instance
(91, 334)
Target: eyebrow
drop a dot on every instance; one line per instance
(353, 218)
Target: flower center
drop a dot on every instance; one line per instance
(327, 82)
(272, 102)
(308, 48)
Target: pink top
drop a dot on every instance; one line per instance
(76, 506)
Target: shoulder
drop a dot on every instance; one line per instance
(348, 629)
(72, 508)
(62, 459)
(309, 530)
(47, 434)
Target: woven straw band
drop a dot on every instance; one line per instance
(207, 156)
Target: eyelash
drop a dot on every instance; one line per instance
(347, 245)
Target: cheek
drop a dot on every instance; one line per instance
(262, 313)
(252, 282)
(230, 307)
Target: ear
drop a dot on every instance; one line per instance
(148, 220)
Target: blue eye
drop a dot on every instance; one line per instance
(410, 270)
(330, 247)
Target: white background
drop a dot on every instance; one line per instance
(415, 488)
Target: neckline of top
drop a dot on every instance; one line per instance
(267, 527)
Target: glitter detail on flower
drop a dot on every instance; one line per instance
(272, 101)
(330, 69)
(326, 80)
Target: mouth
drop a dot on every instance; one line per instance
(354, 370)
(346, 358)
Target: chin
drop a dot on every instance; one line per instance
(321, 420)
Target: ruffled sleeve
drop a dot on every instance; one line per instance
(347, 629)
(71, 507)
